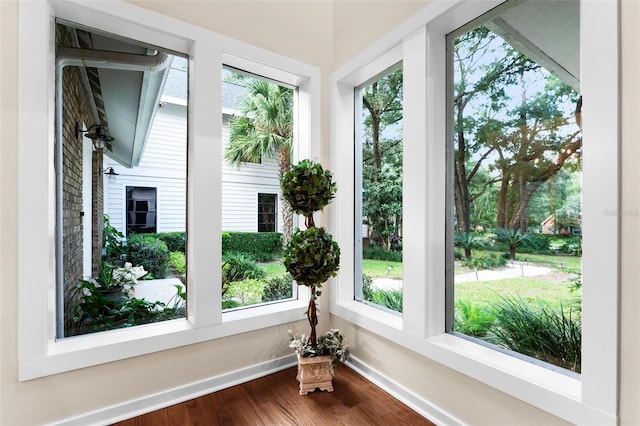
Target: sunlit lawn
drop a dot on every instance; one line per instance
(486, 292)
(528, 288)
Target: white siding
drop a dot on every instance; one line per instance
(240, 189)
(163, 166)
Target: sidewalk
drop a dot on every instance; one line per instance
(515, 270)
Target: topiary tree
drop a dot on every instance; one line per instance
(311, 257)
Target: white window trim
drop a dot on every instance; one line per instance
(39, 353)
(591, 399)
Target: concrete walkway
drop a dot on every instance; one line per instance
(515, 270)
(158, 290)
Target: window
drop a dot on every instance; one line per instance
(379, 203)
(516, 193)
(145, 143)
(259, 134)
(195, 52)
(428, 202)
(141, 210)
(267, 204)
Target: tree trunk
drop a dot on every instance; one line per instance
(461, 184)
(284, 163)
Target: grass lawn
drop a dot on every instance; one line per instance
(380, 269)
(485, 292)
(530, 289)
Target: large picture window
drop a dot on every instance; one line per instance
(80, 158)
(114, 140)
(507, 197)
(517, 184)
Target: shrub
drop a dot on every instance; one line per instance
(178, 262)
(176, 241)
(277, 288)
(247, 292)
(367, 292)
(263, 246)
(150, 252)
(375, 252)
(543, 332)
(472, 320)
(485, 262)
(111, 239)
(388, 298)
(238, 266)
(93, 310)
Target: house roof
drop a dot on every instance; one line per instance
(547, 31)
(124, 96)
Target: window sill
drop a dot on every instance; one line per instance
(559, 393)
(98, 348)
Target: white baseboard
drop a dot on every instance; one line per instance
(147, 404)
(404, 395)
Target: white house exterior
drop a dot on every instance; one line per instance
(151, 197)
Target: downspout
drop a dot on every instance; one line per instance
(67, 56)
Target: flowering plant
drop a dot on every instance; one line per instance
(329, 343)
(126, 278)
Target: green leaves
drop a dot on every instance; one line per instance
(307, 187)
(311, 257)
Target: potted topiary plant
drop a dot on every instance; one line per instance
(312, 257)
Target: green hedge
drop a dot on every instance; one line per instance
(175, 241)
(263, 246)
(378, 253)
(150, 252)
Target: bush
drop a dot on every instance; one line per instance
(238, 266)
(375, 252)
(178, 262)
(263, 246)
(485, 262)
(472, 320)
(543, 332)
(367, 292)
(390, 299)
(176, 241)
(277, 288)
(150, 252)
(247, 292)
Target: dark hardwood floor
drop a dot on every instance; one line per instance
(274, 400)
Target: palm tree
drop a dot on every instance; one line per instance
(514, 238)
(469, 241)
(264, 130)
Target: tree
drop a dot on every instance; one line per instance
(514, 239)
(382, 158)
(533, 147)
(469, 241)
(264, 130)
(481, 73)
(525, 142)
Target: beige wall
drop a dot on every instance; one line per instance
(307, 33)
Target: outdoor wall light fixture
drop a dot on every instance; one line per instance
(98, 135)
(111, 174)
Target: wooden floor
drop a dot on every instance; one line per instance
(274, 400)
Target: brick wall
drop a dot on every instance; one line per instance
(76, 109)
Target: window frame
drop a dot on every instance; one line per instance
(39, 352)
(590, 399)
(359, 132)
